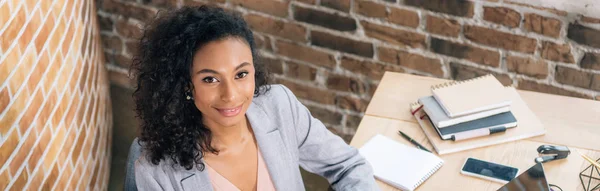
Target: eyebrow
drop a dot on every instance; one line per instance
(215, 72)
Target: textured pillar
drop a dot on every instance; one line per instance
(55, 111)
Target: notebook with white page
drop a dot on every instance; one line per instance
(399, 165)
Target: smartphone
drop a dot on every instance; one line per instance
(489, 170)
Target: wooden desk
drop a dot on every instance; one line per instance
(572, 122)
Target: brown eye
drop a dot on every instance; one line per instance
(210, 80)
(241, 75)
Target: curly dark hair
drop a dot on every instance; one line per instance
(171, 126)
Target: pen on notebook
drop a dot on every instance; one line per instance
(411, 140)
(477, 133)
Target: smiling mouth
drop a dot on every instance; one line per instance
(230, 112)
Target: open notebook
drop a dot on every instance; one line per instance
(399, 165)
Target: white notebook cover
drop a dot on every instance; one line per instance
(441, 119)
(399, 165)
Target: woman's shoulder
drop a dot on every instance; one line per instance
(276, 95)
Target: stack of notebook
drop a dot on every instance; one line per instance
(469, 109)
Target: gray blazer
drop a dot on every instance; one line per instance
(288, 137)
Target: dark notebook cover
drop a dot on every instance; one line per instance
(506, 119)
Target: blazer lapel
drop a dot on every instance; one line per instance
(192, 179)
(272, 148)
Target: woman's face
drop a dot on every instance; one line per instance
(223, 80)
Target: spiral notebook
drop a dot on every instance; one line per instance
(399, 165)
(460, 98)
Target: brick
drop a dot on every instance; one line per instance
(531, 67)
(95, 174)
(273, 65)
(106, 23)
(309, 93)
(131, 47)
(596, 83)
(551, 10)
(333, 21)
(589, 61)
(78, 145)
(545, 88)
(4, 176)
(460, 8)
(502, 15)
(67, 41)
(343, 44)
(404, 17)
(271, 7)
(22, 153)
(118, 59)
(113, 43)
(38, 71)
(398, 37)
(5, 16)
(370, 69)
(542, 25)
(9, 64)
(371, 9)
(10, 33)
(21, 181)
(36, 180)
(499, 39)
(34, 108)
(300, 71)
(590, 19)
(306, 54)
(344, 83)
(463, 72)
(39, 149)
(412, 61)
(584, 35)
(557, 52)
(326, 116)
(443, 26)
(351, 103)
(4, 99)
(8, 146)
(44, 33)
(279, 28)
(128, 30)
(465, 51)
(197, 3)
(340, 5)
(128, 10)
(161, 3)
(31, 28)
(22, 71)
(51, 179)
(352, 121)
(312, 2)
(574, 77)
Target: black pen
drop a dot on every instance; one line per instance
(413, 141)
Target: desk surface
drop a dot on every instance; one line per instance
(572, 122)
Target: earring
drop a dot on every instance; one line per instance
(187, 96)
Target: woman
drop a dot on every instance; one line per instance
(209, 121)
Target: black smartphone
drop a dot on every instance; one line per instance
(489, 170)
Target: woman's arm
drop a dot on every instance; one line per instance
(323, 153)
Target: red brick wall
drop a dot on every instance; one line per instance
(332, 53)
(55, 114)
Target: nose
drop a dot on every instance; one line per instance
(229, 92)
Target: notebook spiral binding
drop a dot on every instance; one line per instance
(437, 167)
(451, 83)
